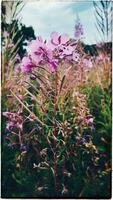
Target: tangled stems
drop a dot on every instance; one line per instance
(55, 134)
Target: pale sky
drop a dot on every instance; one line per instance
(49, 16)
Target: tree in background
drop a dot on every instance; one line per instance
(21, 31)
(18, 32)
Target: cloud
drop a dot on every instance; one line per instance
(56, 16)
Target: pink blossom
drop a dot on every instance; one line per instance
(61, 48)
(58, 40)
(51, 53)
(10, 125)
(78, 30)
(6, 114)
(39, 51)
(14, 120)
(53, 66)
(66, 51)
(27, 64)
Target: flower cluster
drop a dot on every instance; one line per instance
(14, 120)
(57, 50)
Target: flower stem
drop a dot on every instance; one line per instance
(20, 137)
(55, 134)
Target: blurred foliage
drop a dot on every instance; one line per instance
(19, 31)
(84, 160)
(99, 101)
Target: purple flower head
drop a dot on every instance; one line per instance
(7, 114)
(62, 48)
(78, 30)
(27, 64)
(14, 120)
(53, 66)
(39, 51)
(10, 126)
(58, 40)
(58, 49)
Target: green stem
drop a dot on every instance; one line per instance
(55, 134)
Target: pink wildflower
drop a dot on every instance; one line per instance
(14, 120)
(58, 40)
(39, 51)
(78, 30)
(51, 53)
(10, 125)
(6, 114)
(62, 49)
(27, 64)
(66, 51)
(53, 66)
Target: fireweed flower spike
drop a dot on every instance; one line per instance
(50, 53)
(14, 120)
(78, 30)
